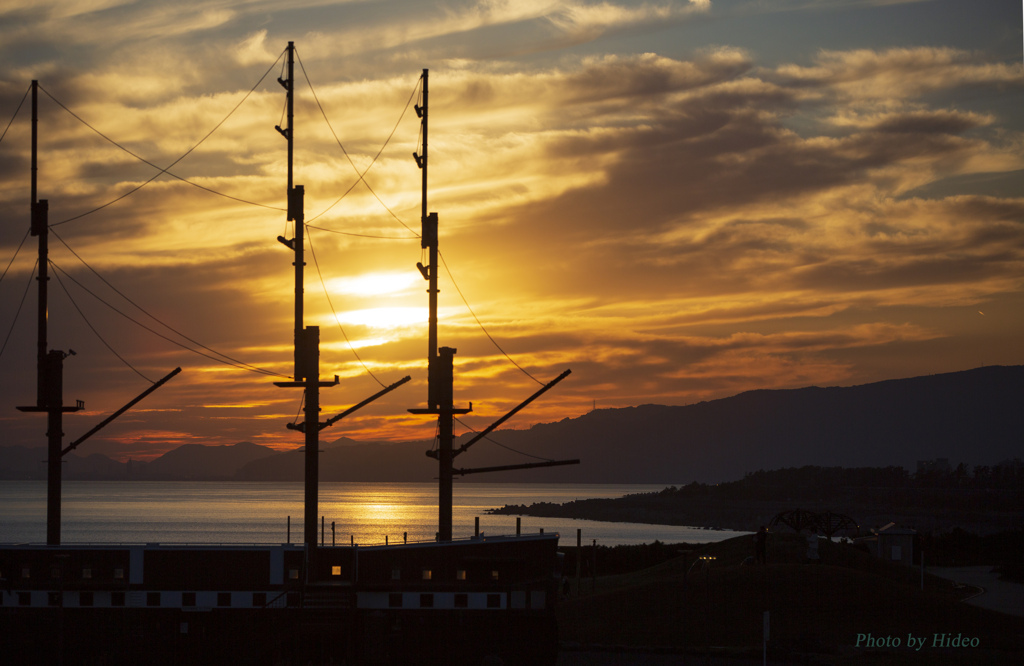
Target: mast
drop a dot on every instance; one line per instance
(440, 365)
(50, 363)
(440, 362)
(306, 339)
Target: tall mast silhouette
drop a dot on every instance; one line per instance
(50, 363)
(440, 364)
(307, 338)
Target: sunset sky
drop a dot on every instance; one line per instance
(678, 200)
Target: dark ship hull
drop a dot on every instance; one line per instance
(456, 602)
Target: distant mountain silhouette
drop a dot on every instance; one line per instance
(195, 462)
(972, 416)
(191, 462)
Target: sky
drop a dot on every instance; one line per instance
(677, 200)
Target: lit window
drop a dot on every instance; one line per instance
(25, 572)
(460, 574)
(427, 574)
(293, 574)
(119, 573)
(494, 575)
(86, 573)
(336, 571)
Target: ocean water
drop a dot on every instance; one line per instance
(366, 513)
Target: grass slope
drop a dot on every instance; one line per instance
(816, 608)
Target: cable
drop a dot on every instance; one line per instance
(165, 170)
(20, 305)
(23, 98)
(230, 361)
(493, 341)
(360, 175)
(348, 233)
(20, 245)
(338, 321)
(488, 438)
(92, 328)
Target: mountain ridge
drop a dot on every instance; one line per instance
(970, 416)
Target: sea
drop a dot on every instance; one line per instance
(184, 512)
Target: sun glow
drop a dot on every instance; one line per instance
(374, 284)
(385, 317)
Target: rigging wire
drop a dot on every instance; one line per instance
(20, 305)
(11, 262)
(488, 438)
(361, 176)
(348, 233)
(302, 405)
(489, 337)
(335, 313)
(23, 98)
(229, 360)
(237, 364)
(161, 170)
(93, 328)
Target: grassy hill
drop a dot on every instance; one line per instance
(817, 609)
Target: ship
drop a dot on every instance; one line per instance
(467, 600)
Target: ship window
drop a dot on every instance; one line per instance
(86, 573)
(118, 573)
(55, 572)
(188, 598)
(223, 598)
(426, 601)
(53, 598)
(336, 571)
(25, 572)
(462, 601)
(152, 598)
(259, 599)
(117, 598)
(427, 574)
(494, 575)
(460, 574)
(494, 601)
(85, 598)
(395, 600)
(24, 598)
(396, 574)
(293, 574)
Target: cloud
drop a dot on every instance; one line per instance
(672, 226)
